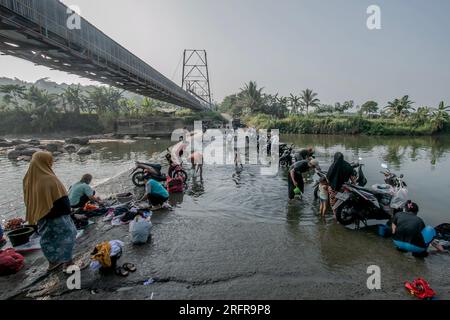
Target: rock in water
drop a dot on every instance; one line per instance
(14, 154)
(70, 148)
(28, 152)
(52, 147)
(34, 142)
(21, 147)
(17, 142)
(84, 151)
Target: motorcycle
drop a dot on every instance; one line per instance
(357, 204)
(176, 170)
(361, 179)
(286, 158)
(143, 169)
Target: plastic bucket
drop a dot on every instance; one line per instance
(20, 236)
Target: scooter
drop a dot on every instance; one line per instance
(143, 169)
(286, 158)
(357, 204)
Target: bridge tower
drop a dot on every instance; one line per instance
(195, 78)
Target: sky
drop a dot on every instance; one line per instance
(285, 46)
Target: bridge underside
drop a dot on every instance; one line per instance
(23, 38)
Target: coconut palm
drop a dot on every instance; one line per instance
(295, 102)
(251, 97)
(309, 99)
(421, 115)
(74, 98)
(12, 93)
(400, 108)
(440, 116)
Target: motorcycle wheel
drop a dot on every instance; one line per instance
(283, 163)
(345, 214)
(180, 174)
(138, 179)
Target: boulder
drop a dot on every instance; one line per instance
(84, 151)
(21, 147)
(56, 153)
(52, 147)
(28, 152)
(17, 142)
(34, 142)
(24, 158)
(71, 148)
(83, 141)
(14, 154)
(42, 147)
(5, 144)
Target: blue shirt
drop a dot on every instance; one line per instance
(78, 190)
(156, 188)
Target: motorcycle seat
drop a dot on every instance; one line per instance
(155, 166)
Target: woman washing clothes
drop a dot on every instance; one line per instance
(339, 173)
(48, 206)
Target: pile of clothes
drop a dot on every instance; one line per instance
(11, 262)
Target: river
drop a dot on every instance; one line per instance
(236, 236)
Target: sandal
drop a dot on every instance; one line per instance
(129, 267)
(121, 272)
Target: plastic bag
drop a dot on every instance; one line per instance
(11, 262)
(399, 198)
(140, 230)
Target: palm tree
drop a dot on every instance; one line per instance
(440, 116)
(251, 97)
(74, 98)
(295, 103)
(421, 115)
(105, 99)
(42, 105)
(148, 105)
(12, 92)
(369, 107)
(400, 108)
(309, 99)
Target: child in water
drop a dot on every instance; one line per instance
(323, 196)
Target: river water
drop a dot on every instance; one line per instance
(239, 231)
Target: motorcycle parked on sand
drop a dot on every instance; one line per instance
(357, 204)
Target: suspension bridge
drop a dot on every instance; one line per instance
(37, 30)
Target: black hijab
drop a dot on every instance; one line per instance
(339, 172)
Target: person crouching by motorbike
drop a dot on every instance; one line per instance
(410, 233)
(339, 173)
(155, 193)
(295, 177)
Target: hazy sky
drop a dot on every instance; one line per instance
(285, 45)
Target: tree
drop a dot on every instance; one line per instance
(324, 108)
(309, 99)
(421, 116)
(295, 102)
(250, 97)
(440, 116)
(74, 98)
(341, 108)
(105, 99)
(400, 108)
(369, 108)
(12, 93)
(42, 106)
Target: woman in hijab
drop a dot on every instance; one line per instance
(48, 206)
(339, 173)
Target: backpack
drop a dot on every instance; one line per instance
(175, 185)
(11, 262)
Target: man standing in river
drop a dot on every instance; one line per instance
(295, 177)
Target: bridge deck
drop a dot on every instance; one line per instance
(36, 30)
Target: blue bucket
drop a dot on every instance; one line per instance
(384, 231)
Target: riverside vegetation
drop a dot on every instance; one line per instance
(305, 114)
(45, 106)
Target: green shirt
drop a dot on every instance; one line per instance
(78, 190)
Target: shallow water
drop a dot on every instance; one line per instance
(108, 160)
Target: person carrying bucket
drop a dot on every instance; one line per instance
(410, 233)
(296, 184)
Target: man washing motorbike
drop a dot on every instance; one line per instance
(295, 177)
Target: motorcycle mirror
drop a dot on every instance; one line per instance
(384, 166)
